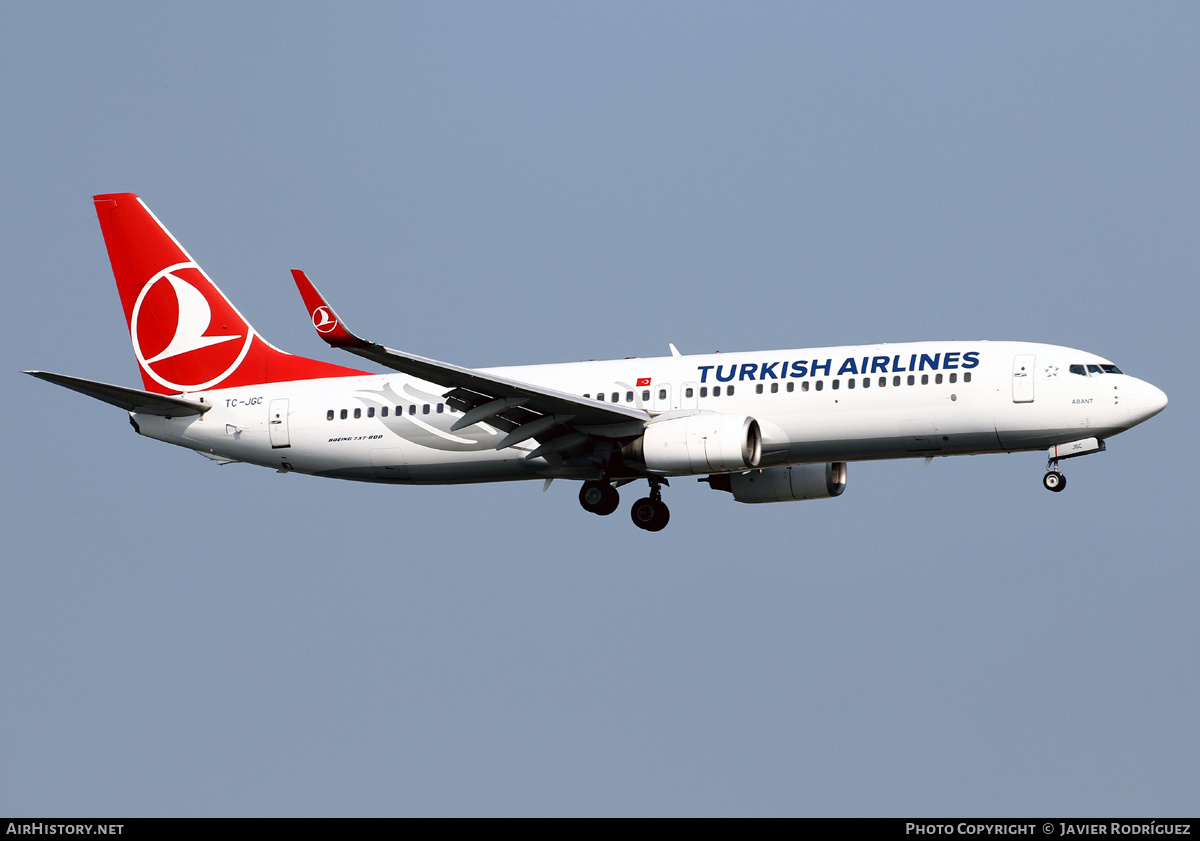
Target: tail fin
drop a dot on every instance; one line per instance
(187, 336)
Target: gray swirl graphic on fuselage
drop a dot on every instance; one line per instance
(426, 430)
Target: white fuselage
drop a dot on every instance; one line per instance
(813, 405)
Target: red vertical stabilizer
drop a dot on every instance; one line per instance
(186, 334)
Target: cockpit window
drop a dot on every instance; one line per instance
(1094, 370)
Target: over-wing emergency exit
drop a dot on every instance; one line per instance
(764, 426)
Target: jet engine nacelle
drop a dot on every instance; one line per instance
(707, 442)
(784, 484)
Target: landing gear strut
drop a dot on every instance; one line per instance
(651, 513)
(1054, 480)
(599, 497)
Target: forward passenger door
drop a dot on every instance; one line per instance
(1022, 378)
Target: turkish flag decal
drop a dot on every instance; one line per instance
(643, 381)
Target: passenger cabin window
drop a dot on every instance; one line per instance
(662, 394)
(716, 391)
(646, 395)
(774, 388)
(729, 391)
(329, 415)
(425, 409)
(836, 385)
(412, 410)
(357, 414)
(967, 377)
(954, 378)
(912, 380)
(820, 384)
(866, 382)
(441, 408)
(629, 397)
(704, 391)
(924, 379)
(371, 412)
(343, 414)
(791, 387)
(758, 389)
(616, 398)
(600, 397)
(882, 382)
(803, 385)
(383, 412)
(688, 393)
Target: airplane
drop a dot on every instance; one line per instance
(764, 426)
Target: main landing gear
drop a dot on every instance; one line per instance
(649, 513)
(599, 498)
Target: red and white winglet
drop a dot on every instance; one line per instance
(326, 322)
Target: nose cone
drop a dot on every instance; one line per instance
(1145, 401)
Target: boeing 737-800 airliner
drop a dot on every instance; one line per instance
(766, 426)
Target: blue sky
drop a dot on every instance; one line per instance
(504, 184)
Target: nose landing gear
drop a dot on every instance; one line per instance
(651, 513)
(1054, 480)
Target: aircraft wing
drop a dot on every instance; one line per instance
(524, 410)
(129, 399)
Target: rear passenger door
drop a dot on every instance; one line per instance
(278, 423)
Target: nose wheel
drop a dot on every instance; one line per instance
(1054, 480)
(651, 513)
(599, 497)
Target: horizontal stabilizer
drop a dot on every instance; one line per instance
(129, 399)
